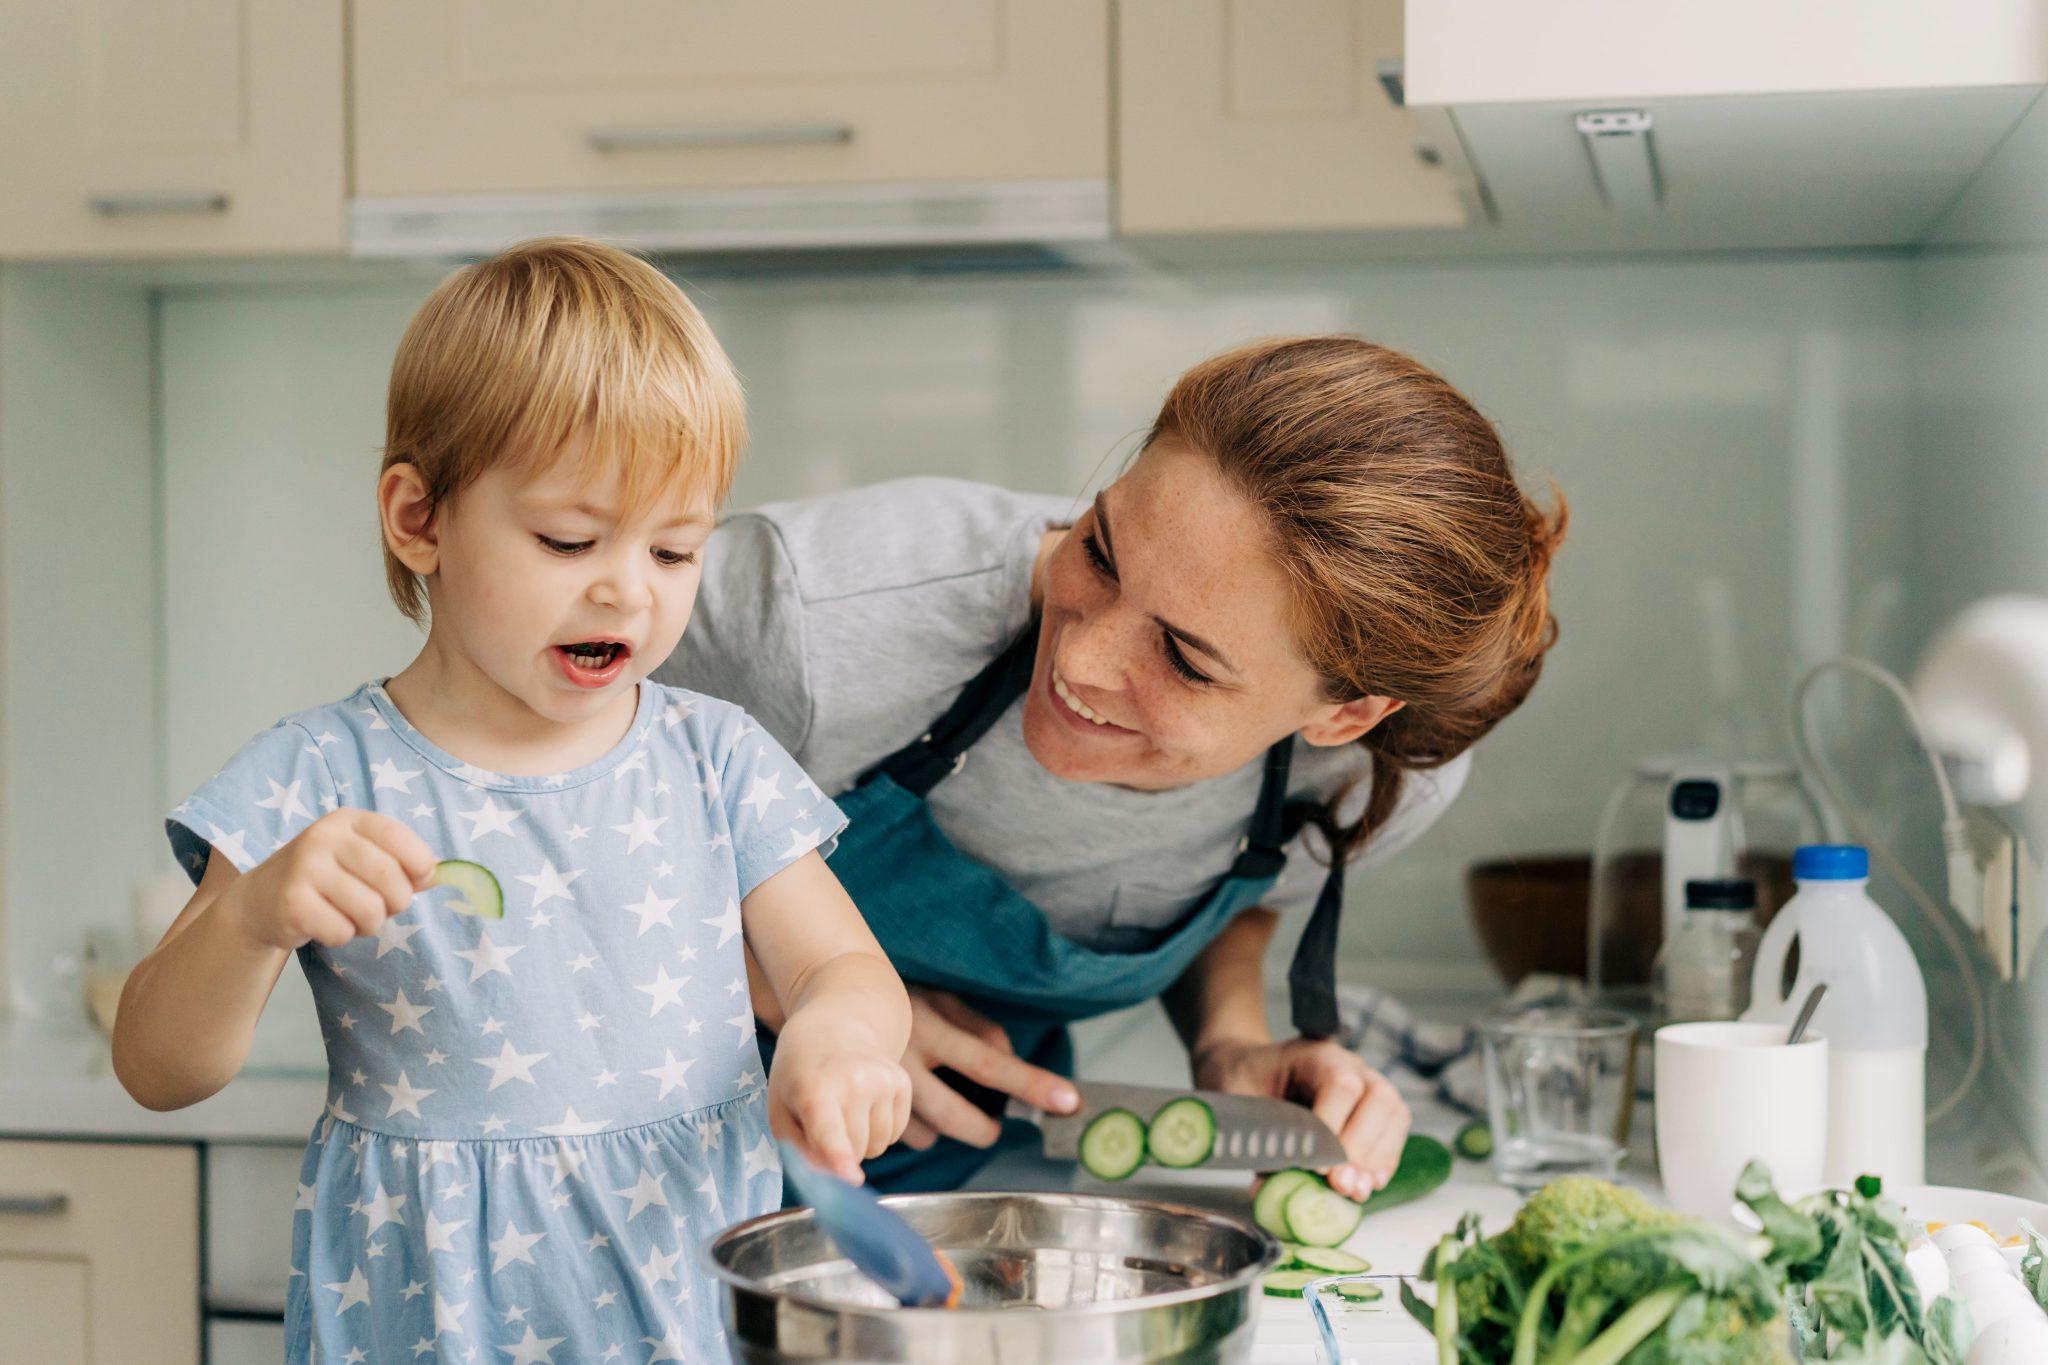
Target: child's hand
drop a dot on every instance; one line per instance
(836, 1094)
(340, 878)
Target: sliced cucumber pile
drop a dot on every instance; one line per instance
(1113, 1144)
(1270, 1205)
(1331, 1261)
(1318, 1216)
(1183, 1133)
(476, 891)
(1474, 1141)
(1306, 1264)
(1288, 1284)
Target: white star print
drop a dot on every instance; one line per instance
(664, 990)
(670, 1072)
(645, 1193)
(354, 1357)
(532, 1350)
(414, 1288)
(652, 910)
(513, 1246)
(491, 1024)
(605, 1078)
(383, 1208)
(709, 1189)
(514, 1314)
(710, 786)
(435, 1057)
(422, 1346)
(375, 1250)
(664, 868)
(670, 1347)
(689, 953)
(558, 779)
(509, 1066)
(718, 841)
(661, 789)
(404, 1013)
(641, 829)
(421, 811)
(231, 846)
(714, 1133)
(448, 1316)
(490, 818)
(801, 841)
(327, 737)
(589, 1021)
(549, 884)
(606, 1299)
(392, 935)
(660, 1266)
(440, 1235)
(597, 1239)
(745, 1080)
(432, 983)
(488, 957)
(494, 1124)
(571, 1126)
(285, 801)
(809, 788)
(305, 1199)
(761, 1160)
(566, 1163)
(762, 793)
(577, 832)
(438, 1152)
(334, 1110)
(540, 919)
(475, 776)
(405, 1097)
(354, 1290)
(694, 1026)
(744, 1022)
(737, 984)
(455, 1191)
(389, 777)
(611, 1352)
(727, 924)
(675, 715)
(636, 762)
(581, 963)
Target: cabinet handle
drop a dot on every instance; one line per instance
(693, 136)
(35, 1205)
(124, 205)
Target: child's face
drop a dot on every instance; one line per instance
(557, 592)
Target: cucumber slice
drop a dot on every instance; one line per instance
(1183, 1133)
(476, 891)
(1474, 1141)
(1331, 1261)
(1113, 1144)
(1360, 1291)
(1288, 1284)
(1319, 1216)
(1269, 1209)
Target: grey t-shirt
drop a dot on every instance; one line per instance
(847, 624)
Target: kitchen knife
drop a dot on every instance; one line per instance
(1252, 1134)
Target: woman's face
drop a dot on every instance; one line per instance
(1167, 653)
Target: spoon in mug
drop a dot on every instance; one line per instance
(1805, 1016)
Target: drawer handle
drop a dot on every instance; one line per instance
(128, 205)
(35, 1205)
(696, 136)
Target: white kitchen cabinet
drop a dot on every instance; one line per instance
(99, 1252)
(140, 129)
(466, 97)
(1268, 115)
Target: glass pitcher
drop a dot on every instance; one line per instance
(1676, 819)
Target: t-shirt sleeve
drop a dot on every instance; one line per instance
(745, 639)
(1424, 797)
(277, 785)
(774, 810)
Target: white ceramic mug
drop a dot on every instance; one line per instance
(1730, 1094)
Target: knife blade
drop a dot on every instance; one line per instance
(1252, 1133)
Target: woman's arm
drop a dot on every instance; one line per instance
(838, 1085)
(1219, 1008)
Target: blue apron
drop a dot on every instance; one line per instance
(953, 924)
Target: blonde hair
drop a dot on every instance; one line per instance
(1420, 569)
(512, 358)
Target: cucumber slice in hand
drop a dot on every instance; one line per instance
(1319, 1216)
(476, 891)
(1183, 1133)
(1269, 1209)
(1113, 1144)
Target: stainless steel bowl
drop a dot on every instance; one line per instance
(1048, 1279)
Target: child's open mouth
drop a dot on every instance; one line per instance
(593, 663)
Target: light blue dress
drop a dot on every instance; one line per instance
(535, 1122)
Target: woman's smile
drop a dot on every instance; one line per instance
(1077, 712)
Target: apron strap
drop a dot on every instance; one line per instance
(1312, 975)
(937, 754)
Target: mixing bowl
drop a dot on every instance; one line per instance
(1049, 1279)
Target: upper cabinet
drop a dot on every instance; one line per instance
(1269, 115)
(139, 128)
(1609, 125)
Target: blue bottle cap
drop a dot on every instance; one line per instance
(1831, 863)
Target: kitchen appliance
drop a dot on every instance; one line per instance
(1050, 1278)
(1252, 1134)
(1679, 819)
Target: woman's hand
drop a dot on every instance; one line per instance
(944, 1032)
(1361, 1106)
(835, 1093)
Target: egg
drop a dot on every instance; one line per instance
(1965, 1259)
(1962, 1235)
(1994, 1295)
(2011, 1341)
(1930, 1270)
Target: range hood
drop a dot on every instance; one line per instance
(1039, 213)
(1601, 126)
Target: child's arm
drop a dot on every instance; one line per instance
(838, 1086)
(189, 1009)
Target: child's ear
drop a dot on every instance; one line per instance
(408, 516)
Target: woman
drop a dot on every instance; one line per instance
(1086, 764)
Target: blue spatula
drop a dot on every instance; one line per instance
(879, 1243)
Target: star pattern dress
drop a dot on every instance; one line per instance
(534, 1122)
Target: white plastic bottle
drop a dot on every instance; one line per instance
(1874, 1014)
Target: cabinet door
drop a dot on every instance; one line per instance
(1267, 115)
(508, 96)
(138, 128)
(99, 1252)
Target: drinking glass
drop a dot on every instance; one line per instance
(1560, 1090)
